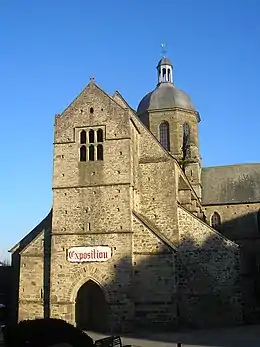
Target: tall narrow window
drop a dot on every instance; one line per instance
(215, 221)
(91, 136)
(164, 135)
(83, 137)
(185, 139)
(100, 135)
(83, 153)
(164, 75)
(99, 152)
(169, 75)
(258, 221)
(91, 153)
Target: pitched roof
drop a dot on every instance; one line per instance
(22, 244)
(231, 184)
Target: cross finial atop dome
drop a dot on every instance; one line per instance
(164, 50)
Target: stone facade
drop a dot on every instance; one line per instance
(169, 267)
(209, 274)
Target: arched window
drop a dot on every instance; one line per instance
(164, 135)
(215, 221)
(185, 138)
(91, 153)
(100, 135)
(91, 110)
(83, 153)
(83, 137)
(169, 75)
(91, 136)
(164, 75)
(99, 152)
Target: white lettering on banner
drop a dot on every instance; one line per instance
(83, 254)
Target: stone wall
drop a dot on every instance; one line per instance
(31, 285)
(239, 221)
(154, 283)
(157, 196)
(209, 275)
(77, 115)
(113, 276)
(155, 182)
(91, 205)
(91, 209)
(176, 118)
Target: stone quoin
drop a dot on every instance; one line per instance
(181, 241)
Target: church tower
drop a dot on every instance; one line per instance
(170, 115)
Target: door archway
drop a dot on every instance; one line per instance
(91, 308)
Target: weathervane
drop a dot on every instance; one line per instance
(163, 48)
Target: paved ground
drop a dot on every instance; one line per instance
(237, 337)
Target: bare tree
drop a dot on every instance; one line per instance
(5, 260)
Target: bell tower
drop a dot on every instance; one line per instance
(164, 69)
(170, 115)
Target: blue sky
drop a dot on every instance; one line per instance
(49, 49)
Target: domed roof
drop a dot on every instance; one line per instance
(164, 61)
(165, 95)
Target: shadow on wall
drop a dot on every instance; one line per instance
(242, 228)
(206, 285)
(245, 231)
(196, 287)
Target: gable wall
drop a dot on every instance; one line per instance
(156, 189)
(31, 285)
(209, 274)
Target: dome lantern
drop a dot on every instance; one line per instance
(164, 69)
(165, 95)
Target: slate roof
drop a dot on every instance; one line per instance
(165, 95)
(44, 224)
(231, 184)
(164, 61)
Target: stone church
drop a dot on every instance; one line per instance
(139, 234)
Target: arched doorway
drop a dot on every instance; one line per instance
(91, 308)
